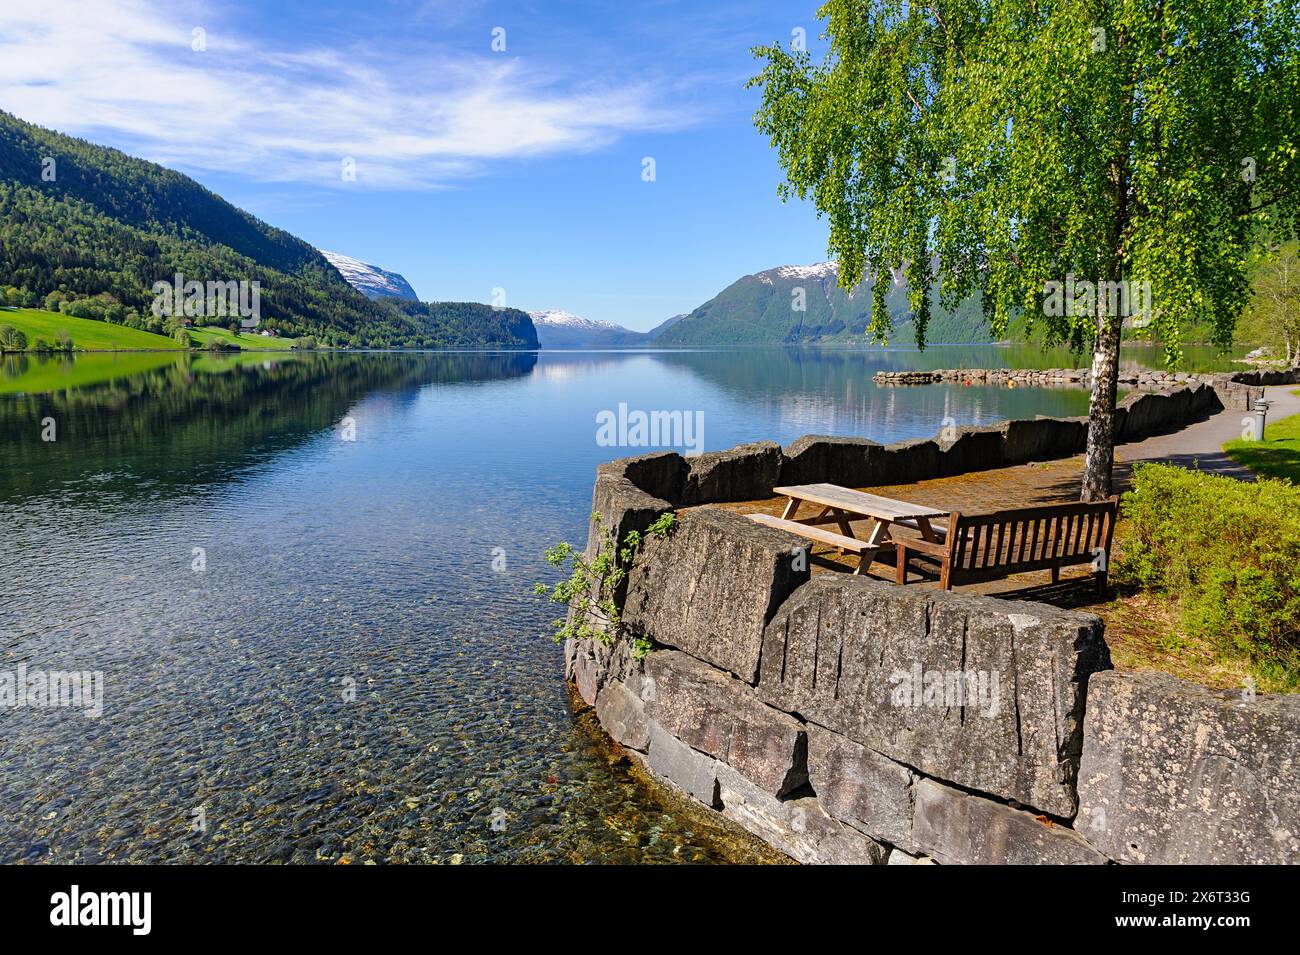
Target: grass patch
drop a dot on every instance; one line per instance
(1277, 456)
(86, 333)
(249, 341)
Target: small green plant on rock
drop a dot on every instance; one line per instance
(591, 586)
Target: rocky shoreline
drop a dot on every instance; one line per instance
(1082, 377)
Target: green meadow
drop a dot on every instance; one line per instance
(86, 334)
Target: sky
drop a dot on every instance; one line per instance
(502, 151)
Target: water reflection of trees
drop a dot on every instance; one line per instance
(197, 421)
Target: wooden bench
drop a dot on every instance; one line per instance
(844, 543)
(980, 547)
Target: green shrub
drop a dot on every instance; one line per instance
(592, 584)
(11, 339)
(1228, 553)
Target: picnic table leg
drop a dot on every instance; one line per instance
(791, 506)
(927, 532)
(879, 533)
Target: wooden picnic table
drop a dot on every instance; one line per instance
(840, 506)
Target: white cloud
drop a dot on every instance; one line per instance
(412, 116)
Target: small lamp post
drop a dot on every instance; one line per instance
(1261, 414)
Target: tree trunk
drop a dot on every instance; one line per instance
(1100, 461)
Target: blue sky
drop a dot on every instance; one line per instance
(475, 169)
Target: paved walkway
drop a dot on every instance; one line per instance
(1199, 445)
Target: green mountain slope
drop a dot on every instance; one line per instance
(86, 221)
(761, 309)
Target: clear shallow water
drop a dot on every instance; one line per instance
(349, 677)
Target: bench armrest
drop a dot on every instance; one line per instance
(924, 547)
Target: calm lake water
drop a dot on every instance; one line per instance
(353, 666)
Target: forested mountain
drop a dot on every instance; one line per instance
(796, 304)
(79, 221)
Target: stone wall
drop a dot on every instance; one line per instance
(632, 492)
(846, 720)
(1237, 390)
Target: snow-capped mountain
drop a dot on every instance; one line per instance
(557, 328)
(370, 280)
(809, 273)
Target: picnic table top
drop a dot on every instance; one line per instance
(858, 502)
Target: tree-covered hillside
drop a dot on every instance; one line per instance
(83, 222)
(804, 305)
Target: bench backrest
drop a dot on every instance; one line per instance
(1034, 538)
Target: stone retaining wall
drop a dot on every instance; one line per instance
(632, 492)
(1237, 390)
(846, 720)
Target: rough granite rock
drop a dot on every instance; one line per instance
(710, 587)
(622, 507)
(746, 472)
(899, 857)
(1043, 439)
(860, 787)
(798, 827)
(972, 449)
(661, 474)
(883, 666)
(960, 829)
(719, 715)
(590, 664)
(621, 713)
(905, 462)
(819, 458)
(1156, 412)
(692, 772)
(1173, 772)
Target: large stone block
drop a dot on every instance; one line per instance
(960, 829)
(906, 462)
(1173, 772)
(817, 459)
(717, 714)
(622, 714)
(861, 787)
(590, 664)
(972, 449)
(690, 771)
(622, 507)
(799, 827)
(1156, 412)
(589, 667)
(618, 507)
(747, 472)
(1044, 439)
(980, 692)
(710, 587)
(661, 474)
